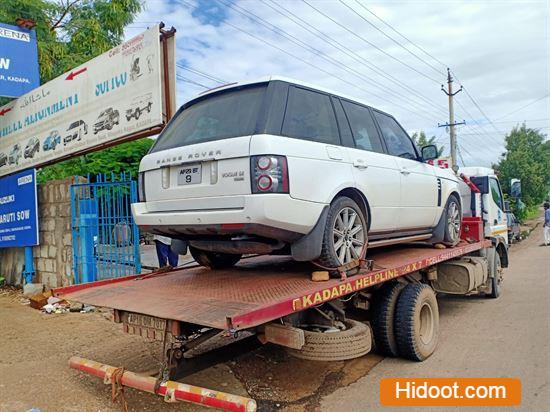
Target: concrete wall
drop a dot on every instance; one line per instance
(53, 259)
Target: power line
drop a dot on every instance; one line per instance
(349, 52)
(255, 18)
(201, 73)
(371, 44)
(186, 80)
(389, 37)
(307, 62)
(524, 106)
(402, 35)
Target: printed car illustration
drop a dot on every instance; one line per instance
(15, 154)
(33, 146)
(75, 131)
(139, 105)
(51, 141)
(298, 170)
(3, 159)
(106, 120)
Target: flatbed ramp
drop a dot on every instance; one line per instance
(257, 291)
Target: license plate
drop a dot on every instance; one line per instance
(144, 325)
(190, 175)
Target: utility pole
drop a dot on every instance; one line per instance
(452, 124)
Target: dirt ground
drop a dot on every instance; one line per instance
(35, 348)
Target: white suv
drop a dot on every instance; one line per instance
(276, 166)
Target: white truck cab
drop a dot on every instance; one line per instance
(489, 204)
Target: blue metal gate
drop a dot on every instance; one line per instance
(105, 237)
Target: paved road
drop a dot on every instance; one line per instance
(508, 337)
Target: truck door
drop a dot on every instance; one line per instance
(495, 214)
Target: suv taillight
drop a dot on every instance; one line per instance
(141, 187)
(269, 174)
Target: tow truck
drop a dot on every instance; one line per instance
(278, 300)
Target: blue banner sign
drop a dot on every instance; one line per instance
(18, 61)
(18, 210)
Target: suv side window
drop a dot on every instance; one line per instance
(363, 127)
(397, 141)
(309, 115)
(496, 193)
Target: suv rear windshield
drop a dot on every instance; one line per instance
(228, 114)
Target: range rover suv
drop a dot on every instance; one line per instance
(279, 167)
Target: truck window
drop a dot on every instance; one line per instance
(496, 193)
(399, 144)
(309, 115)
(221, 116)
(363, 127)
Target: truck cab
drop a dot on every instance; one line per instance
(488, 204)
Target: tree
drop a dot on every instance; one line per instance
(122, 158)
(69, 33)
(421, 140)
(527, 158)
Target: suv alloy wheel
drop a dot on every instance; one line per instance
(345, 234)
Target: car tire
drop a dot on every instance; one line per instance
(341, 243)
(383, 315)
(214, 260)
(416, 322)
(353, 342)
(453, 220)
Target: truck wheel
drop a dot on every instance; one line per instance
(383, 315)
(496, 280)
(351, 343)
(345, 233)
(214, 260)
(416, 322)
(453, 219)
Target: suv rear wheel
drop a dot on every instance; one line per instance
(214, 260)
(345, 233)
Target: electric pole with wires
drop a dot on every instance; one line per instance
(452, 124)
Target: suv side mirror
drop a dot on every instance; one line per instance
(429, 152)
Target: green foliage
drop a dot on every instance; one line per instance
(121, 158)
(71, 32)
(422, 140)
(527, 158)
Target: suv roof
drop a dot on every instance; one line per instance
(266, 79)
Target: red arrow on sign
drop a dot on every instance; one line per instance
(4, 111)
(72, 75)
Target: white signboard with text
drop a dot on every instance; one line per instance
(113, 96)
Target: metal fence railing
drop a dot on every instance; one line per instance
(105, 236)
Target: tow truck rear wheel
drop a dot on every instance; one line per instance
(383, 315)
(351, 343)
(416, 322)
(496, 280)
(214, 260)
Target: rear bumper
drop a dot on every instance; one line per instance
(254, 214)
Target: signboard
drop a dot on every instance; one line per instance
(108, 99)
(18, 61)
(18, 210)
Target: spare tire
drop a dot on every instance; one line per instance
(351, 343)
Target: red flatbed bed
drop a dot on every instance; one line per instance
(255, 292)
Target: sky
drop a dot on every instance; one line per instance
(392, 55)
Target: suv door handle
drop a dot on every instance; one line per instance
(360, 164)
(405, 172)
